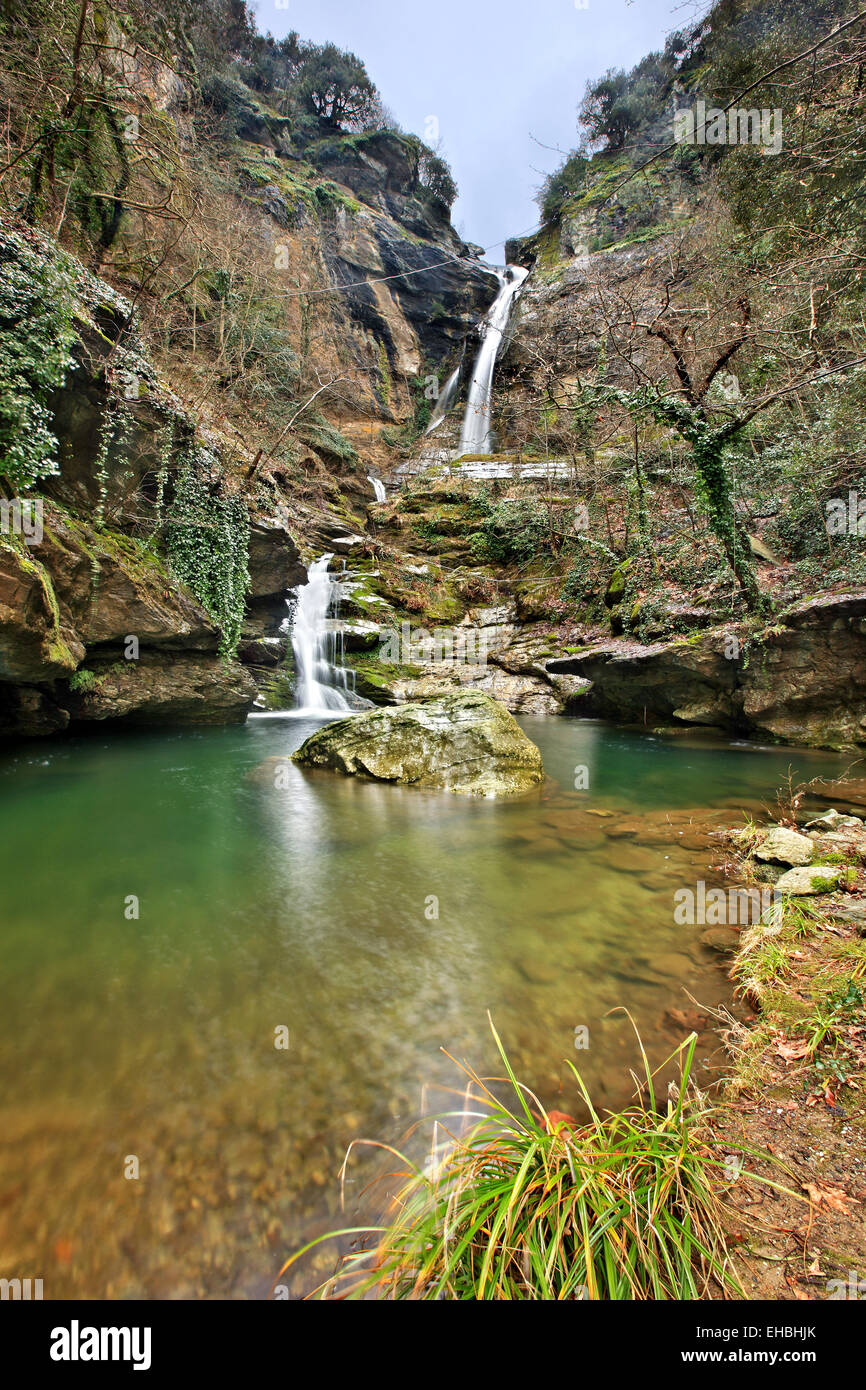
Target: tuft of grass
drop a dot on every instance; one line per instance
(803, 918)
(758, 970)
(534, 1206)
(841, 1006)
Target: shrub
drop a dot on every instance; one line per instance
(535, 1206)
(562, 185)
(510, 531)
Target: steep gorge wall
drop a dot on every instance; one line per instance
(390, 290)
(367, 289)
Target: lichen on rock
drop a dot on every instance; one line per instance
(785, 846)
(809, 880)
(465, 743)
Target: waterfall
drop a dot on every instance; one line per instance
(323, 683)
(378, 488)
(445, 399)
(475, 435)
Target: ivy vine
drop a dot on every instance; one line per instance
(207, 543)
(708, 444)
(36, 336)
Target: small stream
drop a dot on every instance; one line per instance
(306, 906)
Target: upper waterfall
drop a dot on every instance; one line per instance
(475, 434)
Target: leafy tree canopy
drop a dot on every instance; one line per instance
(334, 85)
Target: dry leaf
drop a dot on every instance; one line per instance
(832, 1197)
(558, 1119)
(792, 1051)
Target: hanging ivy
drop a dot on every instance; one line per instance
(163, 449)
(207, 542)
(36, 336)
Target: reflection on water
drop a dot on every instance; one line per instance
(376, 924)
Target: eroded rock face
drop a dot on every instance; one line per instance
(428, 268)
(275, 567)
(68, 608)
(802, 681)
(30, 711)
(36, 644)
(464, 743)
(93, 624)
(783, 846)
(274, 561)
(811, 688)
(176, 689)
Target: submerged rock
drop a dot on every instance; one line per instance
(464, 743)
(721, 939)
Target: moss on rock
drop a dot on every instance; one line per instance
(465, 743)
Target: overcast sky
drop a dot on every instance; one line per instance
(493, 73)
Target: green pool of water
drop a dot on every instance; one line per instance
(373, 925)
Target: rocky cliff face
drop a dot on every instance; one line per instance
(92, 628)
(802, 680)
(298, 319)
(435, 286)
(94, 623)
(390, 288)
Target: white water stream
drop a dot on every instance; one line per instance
(447, 397)
(324, 686)
(475, 434)
(378, 488)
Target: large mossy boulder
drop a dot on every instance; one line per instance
(464, 743)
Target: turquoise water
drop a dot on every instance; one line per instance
(375, 925)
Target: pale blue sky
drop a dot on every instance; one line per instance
(494, 73)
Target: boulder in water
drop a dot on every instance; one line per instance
(464, 743)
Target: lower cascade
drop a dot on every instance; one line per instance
(475, 434)
(324, 686)
(378, 488)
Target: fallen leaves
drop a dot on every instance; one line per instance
(796, 1291)
(833, 1198)
(793, 1051)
